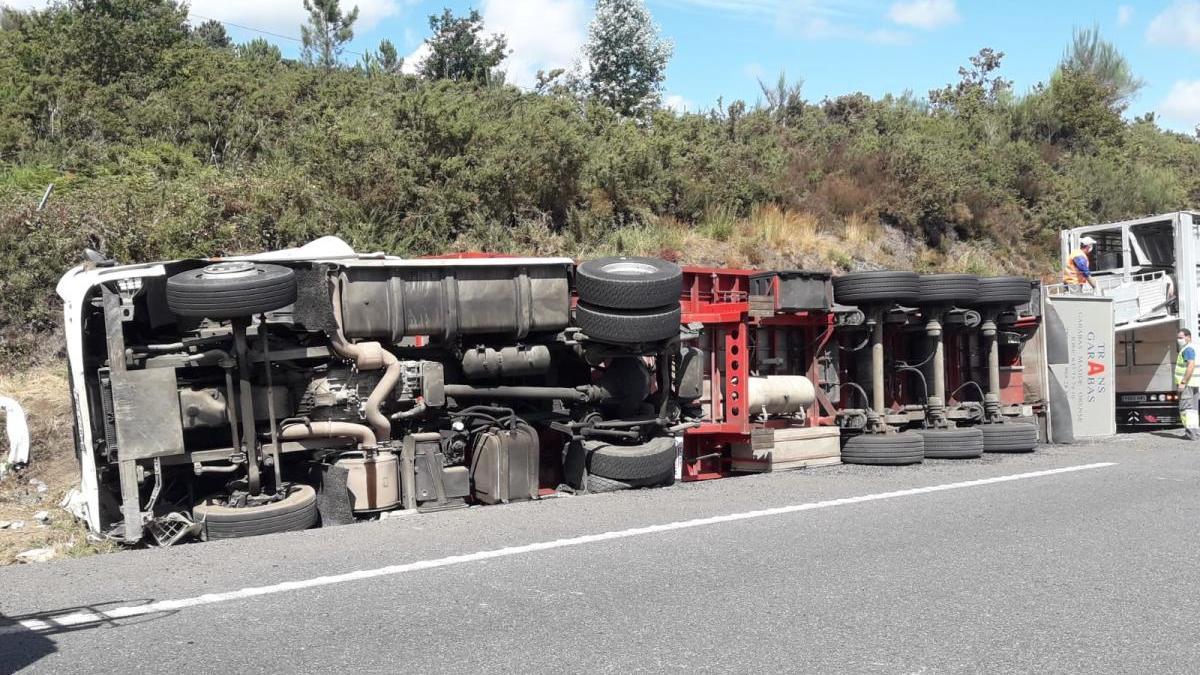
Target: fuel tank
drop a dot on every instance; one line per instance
(511, 297)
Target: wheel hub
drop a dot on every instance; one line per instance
(629, 267)
(228, 270)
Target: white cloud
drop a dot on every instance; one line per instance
(24, 4)
(678, 103)
(414, 60)
(1182, 103)
(542, 34)
(1124, 15)
(286, 16)
(277, 16)
(809, 27)
(925, 14)
(1177, 26)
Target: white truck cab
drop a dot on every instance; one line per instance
(1148, 266)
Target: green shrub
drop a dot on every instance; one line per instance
(164, 148)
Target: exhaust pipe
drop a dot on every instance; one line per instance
(367, 356)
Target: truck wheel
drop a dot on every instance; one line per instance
(631, 463)
(1004, 291)
(600, 484)
(949, 288)
(628, 283)
(960, 443)
(877, 287)
(231, 290)
(296, 511)
(1009, 437)
(884, 449)
(628, 326)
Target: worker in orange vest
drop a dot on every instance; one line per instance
(1077, 271)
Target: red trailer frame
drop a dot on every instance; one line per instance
(720, 301)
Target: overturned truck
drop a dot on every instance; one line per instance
(241, 396)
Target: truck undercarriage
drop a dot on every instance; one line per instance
(235, 397)
(227, 398)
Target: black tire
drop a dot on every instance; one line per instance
(959, 443)
(628, 283)
(877, 287)
(949, 288)
(884, 449)
(1004, 291)
(231, 290)
(1009, 437)
(631, 463)
(296, 511)
(628, 326)
(600, 484)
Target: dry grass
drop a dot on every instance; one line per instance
(770, 238)
(43, 392)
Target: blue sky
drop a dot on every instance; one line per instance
(836, 46)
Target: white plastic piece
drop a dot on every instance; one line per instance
(18, 432)
(74, 503)
(36, 555)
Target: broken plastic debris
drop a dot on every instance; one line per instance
(74, 503)
(42, 516)
(35, 555)
(18, 432)
(38, 485)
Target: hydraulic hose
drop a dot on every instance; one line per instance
(299, 431)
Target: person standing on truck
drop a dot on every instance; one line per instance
(1078, 271)
(1185, 371)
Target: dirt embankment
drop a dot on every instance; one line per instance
(43, 392)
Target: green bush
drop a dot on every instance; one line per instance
(162, 147)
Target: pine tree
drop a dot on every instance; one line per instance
(212, 33)
(327, 32)
(626, 58)
(1098, 58)
(389, 58)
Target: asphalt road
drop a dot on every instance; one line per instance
(1088, 570)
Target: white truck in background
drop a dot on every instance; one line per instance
(1148, 267)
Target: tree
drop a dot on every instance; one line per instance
(212, 33)
(327, 32)
(1081, 112)
(389, 58)
(385, 61)
(785, 101)
(107, 39)
(978, 86)
(1099, 59)
(458, 50)
(259, 49)
(626, 58)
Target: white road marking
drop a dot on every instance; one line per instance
(81, 618)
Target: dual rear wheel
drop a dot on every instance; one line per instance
(628, 300)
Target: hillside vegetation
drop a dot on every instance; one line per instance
(164, 141)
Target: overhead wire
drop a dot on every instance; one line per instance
(259, 30)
